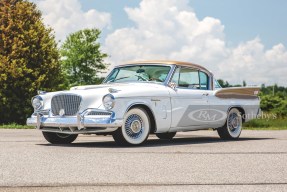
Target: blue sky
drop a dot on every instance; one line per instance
(236, 39)
(243, 19)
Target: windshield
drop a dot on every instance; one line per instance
(149, 73)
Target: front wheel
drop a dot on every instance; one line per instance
(135, 130)
(166, 136)
(59, 138)
(233, 126)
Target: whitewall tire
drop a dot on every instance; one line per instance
(135, 129)
(233, 125)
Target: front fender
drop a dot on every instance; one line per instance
(159, 106)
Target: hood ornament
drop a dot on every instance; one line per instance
(112, 90)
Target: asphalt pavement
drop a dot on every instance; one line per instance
(192, 161)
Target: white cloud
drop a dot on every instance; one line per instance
(250, 61)
(67, 16)
(170, 29)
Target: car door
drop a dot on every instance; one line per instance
(189, 99)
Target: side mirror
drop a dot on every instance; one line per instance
(172, 85)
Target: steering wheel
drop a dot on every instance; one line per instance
(142, 78)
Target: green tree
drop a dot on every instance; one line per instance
(269, 102)
(244, 83)
(29, 59)
(276, 104)
(82, 58)
(223, 83)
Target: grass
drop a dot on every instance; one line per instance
(266, 124)
(15, 126)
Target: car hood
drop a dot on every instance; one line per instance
(124, 89)
(92, 94)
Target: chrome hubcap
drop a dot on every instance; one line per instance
(233, 122)
(134, 126)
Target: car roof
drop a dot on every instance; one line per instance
(168, 62)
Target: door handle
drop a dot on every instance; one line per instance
(205, 94)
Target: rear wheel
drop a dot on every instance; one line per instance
(166, 136)
(136, 128)
(59, 138)
(233, 126)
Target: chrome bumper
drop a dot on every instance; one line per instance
(82, 123)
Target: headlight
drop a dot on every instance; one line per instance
(37, 102)
(109, 101)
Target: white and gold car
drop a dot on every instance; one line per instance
(141, 98)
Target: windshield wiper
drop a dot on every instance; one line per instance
(113, 80)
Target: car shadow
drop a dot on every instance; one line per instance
(154, 142)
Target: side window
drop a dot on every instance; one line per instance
(203, 80)
(188, 78)
(175, 76)
(216, 84)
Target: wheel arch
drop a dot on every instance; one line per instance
(149, 112)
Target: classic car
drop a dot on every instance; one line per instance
(141, 98)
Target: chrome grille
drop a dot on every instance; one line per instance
(70, 103)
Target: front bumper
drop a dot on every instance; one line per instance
(89, 121)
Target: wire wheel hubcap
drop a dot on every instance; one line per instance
(134, 126)
(234, 124)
